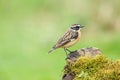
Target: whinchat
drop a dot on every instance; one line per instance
(71, 37)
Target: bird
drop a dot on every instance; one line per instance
(70, 38)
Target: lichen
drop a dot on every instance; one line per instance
(94, 68)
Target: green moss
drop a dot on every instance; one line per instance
(94, 68)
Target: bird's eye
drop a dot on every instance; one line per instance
(77, 26)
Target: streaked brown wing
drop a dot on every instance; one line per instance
(69, 35)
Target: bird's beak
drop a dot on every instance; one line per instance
(82, 26)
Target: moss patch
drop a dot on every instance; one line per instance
(93, 68)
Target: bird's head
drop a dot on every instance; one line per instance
(76, 27)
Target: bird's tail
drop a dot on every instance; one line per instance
(51, 50)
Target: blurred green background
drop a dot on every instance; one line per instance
(29, 28)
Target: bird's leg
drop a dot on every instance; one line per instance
(65, 51)
(68, 50)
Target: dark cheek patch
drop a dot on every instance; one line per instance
(76, 28)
